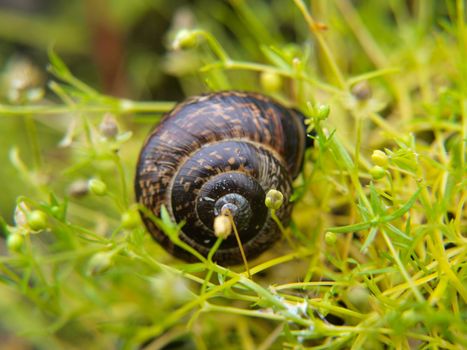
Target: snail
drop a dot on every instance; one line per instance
(217, 151)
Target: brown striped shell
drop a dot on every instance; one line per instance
(227, 146)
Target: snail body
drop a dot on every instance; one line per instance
(215, 152)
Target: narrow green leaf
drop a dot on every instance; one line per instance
(373, 74)
(396, 231)
(350, 228)
(369, 239)
(58, 67)
(3, 227)
(341, 153)
(378, 271)
(165, 217)
(402, 210)
(375, 201)
(274, 56)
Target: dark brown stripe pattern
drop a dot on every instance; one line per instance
(213, 145)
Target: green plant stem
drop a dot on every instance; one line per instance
(213, 250)
(120, 107)
(282, 228)
(146, 333)
(33, 140)
(402, 269)
(288, 73)
(322, 44)
(122, 177)
(237, 311)
(239, 242)
(374, 53)
(436, 246)
(215, 46)
(343, 157)
(461, 37)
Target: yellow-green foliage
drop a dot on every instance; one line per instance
(376, 256)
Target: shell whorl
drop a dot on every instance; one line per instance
(221, 149)
(236, 205)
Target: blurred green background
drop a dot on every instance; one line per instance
(122, 48)
(118, 47)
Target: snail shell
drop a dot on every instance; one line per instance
(217, 151)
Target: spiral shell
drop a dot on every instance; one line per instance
(221, 150)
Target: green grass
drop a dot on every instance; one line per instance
(378, 251)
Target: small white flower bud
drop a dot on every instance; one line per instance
(362, 91)
(380, 158)
(99, 263)
(108, 127)
(271, 82)
(222, 226)
(97, 187)
(185, 39)
(377, 172)
(78, 188)
(274, 199)
(20, 214)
